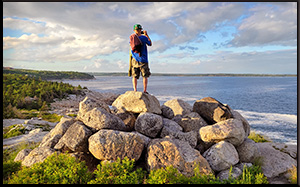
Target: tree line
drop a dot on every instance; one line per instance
(25, 92)
(49, 75)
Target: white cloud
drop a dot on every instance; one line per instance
(267, 25)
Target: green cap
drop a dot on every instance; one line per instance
(137, 26)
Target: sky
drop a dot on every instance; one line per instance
(187, 37)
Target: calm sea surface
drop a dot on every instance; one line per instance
(268, 103)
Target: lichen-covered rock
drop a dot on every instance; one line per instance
(211, 110)
(113, 144)
(99, 118)
(22, 154)
(179, 154)
(248, 151)
(37, 155)
(75, 138)
(221, 156)
(137, 102)
(274, 161)
(149, 124)
(237, 115)
(171, 128)
(52, 138)
(230, 130)
(175, 107)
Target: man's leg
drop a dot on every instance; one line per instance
(134, 83)
(145, 83)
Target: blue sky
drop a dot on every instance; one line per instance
(187, 37)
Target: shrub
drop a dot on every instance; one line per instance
(251, 175)
(258, 138)
(56, 169)
(293, 175)
(118, 172)
(168, 175)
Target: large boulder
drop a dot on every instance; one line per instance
(149, 124)
(172, 129)
(221, 156)
(88, 104)
(211, 110)
(237, 115)
(179, 154)
(175, 107)
(52, 138)
(96, 114)
(22, 154)
(137, 102)
(192, 122)
(231, 130)
(37, 155)
(275, 161)
(113, 144)
(99, 118)
(75, 138)
(248, 151)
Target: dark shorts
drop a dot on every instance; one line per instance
(138, 68)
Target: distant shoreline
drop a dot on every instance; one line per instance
(196, 75)
(74, 75)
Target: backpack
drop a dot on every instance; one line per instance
(135, 43)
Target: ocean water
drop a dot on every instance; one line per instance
(268, 103)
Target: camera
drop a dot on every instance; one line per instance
(142, 32)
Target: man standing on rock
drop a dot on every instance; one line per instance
(139, 56)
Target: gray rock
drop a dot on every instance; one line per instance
(275, 162)
(128, 118)
(171, 128)
(149, 124)
(137, 102)
(113, 144)
(37, 155)
(237, 115)
(192, 122)
(99, 118)
(52, 138)
(21, 139)
(75, 138)
(248, 151)
(211, 110)
(221, 156)
(22, 154)
(96, 114)
(175, 107)
(230, 130)
(234, 173)
(88, 104)
(179, 154)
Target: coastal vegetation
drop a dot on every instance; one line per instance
(65, 169)
(49, 75)
(23, 93)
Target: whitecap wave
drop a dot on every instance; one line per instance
(278, 127)
(163, 98)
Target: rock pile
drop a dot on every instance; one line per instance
(208, 135)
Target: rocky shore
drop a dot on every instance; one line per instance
(208, 135)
